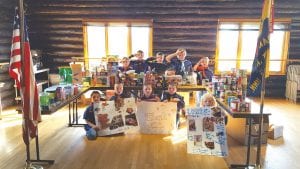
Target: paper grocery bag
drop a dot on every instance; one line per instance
(76, 73)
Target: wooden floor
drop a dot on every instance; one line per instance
(71, 150)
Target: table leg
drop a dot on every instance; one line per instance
(249, 141)
(247, 165)
(76, 111)
(70, 123)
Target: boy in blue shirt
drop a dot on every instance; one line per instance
(125, 65)
(90, 127)
(157, 63)
(180, 63)
(139, 65)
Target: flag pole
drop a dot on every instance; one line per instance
(261, 120)
(26, 119)
(269, 9)
(22, 39)
(260, 67)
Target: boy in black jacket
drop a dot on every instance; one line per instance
(172, 96)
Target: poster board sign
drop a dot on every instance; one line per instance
(156, 117)
(206, 132)
(115, 117)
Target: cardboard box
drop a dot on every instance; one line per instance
(275, 132)
(76, 73)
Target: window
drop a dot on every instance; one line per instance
(236, 45)
(104, 38)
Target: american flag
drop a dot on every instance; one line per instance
(25, 80)
(15, 56)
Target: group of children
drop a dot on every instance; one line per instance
(173, 64)
(160, 64)
(136, 62)
(148, 94)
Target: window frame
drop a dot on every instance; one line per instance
(240, 22)
(109, 22)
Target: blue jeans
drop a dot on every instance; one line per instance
(91, 134)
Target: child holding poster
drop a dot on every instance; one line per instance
(172, 96)
(208, 100)
(118, 87)
(148, 94)
(119, 96)
(90, 127)
(206, 129)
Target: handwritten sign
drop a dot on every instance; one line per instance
(206, 132)
(156, 117)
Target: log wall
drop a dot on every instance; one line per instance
(55, 26)
(6, 25)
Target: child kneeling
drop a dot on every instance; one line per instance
(90, 127)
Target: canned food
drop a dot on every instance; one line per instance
(234, 105)
(58, 94)
(230, 98)
(75, 88)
